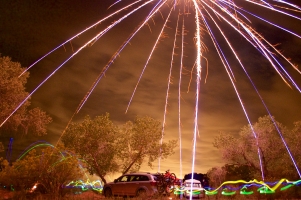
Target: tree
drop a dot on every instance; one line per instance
(243, 150)
(107, 148)
(49, 168)
(94, 140)
(12, 92)
(141, 140)
(57, 169)
(294, 143)
(238, 172)
(217, 176)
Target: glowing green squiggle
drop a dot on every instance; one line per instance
(264, 188)
(38, 145)
(95, 185)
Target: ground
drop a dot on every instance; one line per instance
(5, 194)
(89, 195)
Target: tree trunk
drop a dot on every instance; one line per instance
(132, 163)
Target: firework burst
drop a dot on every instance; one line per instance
(214, 22)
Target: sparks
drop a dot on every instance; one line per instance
(210, 17)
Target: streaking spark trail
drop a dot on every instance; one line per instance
(216, 20)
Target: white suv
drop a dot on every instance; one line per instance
(134, 184)
(194, 189)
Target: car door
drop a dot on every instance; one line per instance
(132, 185)
(119, 184)
(143, 182)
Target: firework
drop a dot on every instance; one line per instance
(210, 18)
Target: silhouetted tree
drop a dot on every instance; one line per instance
(242, 150)
(107, 148)
(94, 140)
(140, 141)
(48, 168)
(12, 92)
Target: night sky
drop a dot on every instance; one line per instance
(30, 29)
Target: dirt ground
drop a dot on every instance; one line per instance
(89, 195)
(5, 194)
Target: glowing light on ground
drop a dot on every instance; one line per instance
(229, 188)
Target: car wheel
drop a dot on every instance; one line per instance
(108, 192)
(141, 194)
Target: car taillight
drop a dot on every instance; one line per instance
(153, 183)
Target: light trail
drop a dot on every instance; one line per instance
(274, 122)
(273, 9)
(149, 57)
(230, 188)
(198, 78)
(244, 109)
(167, 91)
(230, 75)
(152, 51)
(111, 61)
(290, 4)
(179, 95)
(152, 13)
(255, 40)
(80, 33)
(75, 53)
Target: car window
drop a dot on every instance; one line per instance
(193, 185)
(132, 178)
(123, 179)
(144, 178)
(137, 178)
(128, 178)
(156, 177)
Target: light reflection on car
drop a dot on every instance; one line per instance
(193, 188)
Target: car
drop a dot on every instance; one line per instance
(193, 188)
(133, 184)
